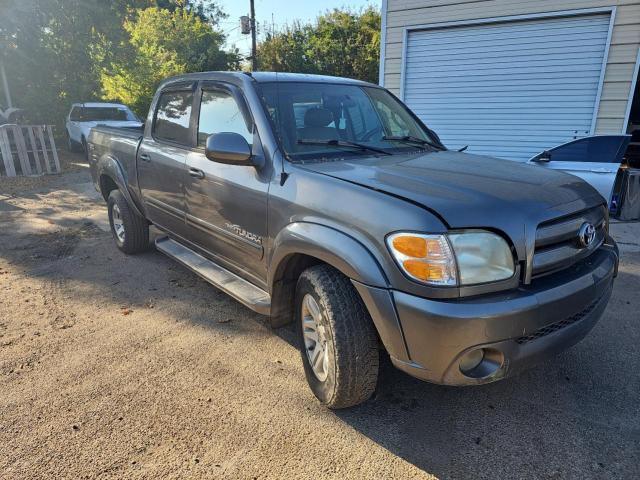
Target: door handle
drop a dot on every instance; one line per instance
(196, 173)
(601, 170)
(145, 157)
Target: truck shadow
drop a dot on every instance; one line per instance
(572, 417)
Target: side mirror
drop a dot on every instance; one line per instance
(544, 157)
(229, 148)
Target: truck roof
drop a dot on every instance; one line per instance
(263, 77)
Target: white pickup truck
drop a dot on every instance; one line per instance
(84, 116)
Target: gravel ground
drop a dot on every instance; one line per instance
(132, 367)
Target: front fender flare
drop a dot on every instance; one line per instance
(354, 260)
(332, 247)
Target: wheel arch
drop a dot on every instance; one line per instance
(111, 177)
(301, 245)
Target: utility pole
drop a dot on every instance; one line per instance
(254, 58)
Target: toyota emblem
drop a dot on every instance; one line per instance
(586, 235)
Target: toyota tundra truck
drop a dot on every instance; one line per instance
(326, 202)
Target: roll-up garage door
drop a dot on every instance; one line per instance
(509, 89)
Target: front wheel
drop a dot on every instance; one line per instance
(71, 145)
(85, 148)
(339, 344)
(130, 230)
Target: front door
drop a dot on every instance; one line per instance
(594, 159)
(226, 205)
(162, 160)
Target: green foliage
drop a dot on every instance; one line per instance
(162, 43)
(57, 52)
(46, 47)
(340, 42)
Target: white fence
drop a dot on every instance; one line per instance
(27, 150)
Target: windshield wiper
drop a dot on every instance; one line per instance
(414, 140)
(343, 143)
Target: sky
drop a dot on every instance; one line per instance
(280, 12)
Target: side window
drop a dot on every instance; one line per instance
(598, 149)
(74, 116)
(220, 113)
(172, 117)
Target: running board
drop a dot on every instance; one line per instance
(247, 293)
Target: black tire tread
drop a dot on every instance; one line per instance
(136, 227)
(354, 337)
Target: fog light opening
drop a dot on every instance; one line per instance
(481, 362)
(471, 360)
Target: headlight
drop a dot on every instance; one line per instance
(465, 258)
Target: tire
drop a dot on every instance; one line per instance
(348, 372)
(130, 231)
(84, 149)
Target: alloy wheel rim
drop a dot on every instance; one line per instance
(315, 339)
(118, 224)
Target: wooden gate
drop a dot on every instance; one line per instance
(27, 150)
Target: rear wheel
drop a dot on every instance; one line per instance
(130, 230)
(339, 345)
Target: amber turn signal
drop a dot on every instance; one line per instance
(418, 247)
(424, 257)
(427, 272)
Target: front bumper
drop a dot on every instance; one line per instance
(516, 329)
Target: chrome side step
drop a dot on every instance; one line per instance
(245, 292)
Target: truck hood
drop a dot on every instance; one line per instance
(470, 191)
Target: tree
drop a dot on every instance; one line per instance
(340, 42)
(288, 50)
(57, 52)
(46, 46)
(162, 43)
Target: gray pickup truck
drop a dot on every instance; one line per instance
(326, 202)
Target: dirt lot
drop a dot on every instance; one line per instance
(132, 367)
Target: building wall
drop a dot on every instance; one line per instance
(623, 52)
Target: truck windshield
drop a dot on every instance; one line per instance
(327, 119)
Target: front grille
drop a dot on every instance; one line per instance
(554, 327)
(557, 240)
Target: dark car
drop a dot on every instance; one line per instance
(327, 202)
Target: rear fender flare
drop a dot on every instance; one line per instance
(110, 167)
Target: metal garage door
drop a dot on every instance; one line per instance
(507, 89)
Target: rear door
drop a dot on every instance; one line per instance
(594, 159)
(162, 158)
(227, 204)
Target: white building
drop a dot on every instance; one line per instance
(512, 78)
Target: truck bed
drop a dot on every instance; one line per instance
(119, 143)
